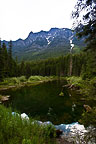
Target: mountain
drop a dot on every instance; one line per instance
(46, 44)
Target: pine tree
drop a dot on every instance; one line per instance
(10, 60)
(22, 68)
(1, 63)
(5, 59)
(86, 25)
(10, 50)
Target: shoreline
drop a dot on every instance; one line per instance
(4, 98)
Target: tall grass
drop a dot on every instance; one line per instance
(14, 130)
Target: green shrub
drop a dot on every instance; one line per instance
(26, 141)
(22, 79)
(12, 80)
(15, 80)
(74, 80)
(34, 78)
(49, 131)
(89, 118)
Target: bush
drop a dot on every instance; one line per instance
(12, 80)
(49, 131)
(22, 79)
(74, 80)
(88, 119)
(36, 78)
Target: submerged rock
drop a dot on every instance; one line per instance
(61, 94)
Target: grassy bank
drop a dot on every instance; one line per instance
(87, 88)
(16, 82)
(14, 130)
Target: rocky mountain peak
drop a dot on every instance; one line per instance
(56, 40)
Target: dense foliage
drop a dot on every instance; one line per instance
(85, 21)
(8, 65)
(82, 64)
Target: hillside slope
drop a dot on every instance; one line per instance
(44, 44)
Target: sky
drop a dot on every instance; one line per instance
(19, 17)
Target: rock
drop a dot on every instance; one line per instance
(4, 98)
(37, 122)
(62, 141)
(47, 123)
(24, 116)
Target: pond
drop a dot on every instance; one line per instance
(43, 102)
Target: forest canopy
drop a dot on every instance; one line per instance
(85, 21)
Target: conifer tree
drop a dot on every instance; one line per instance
(10, 50)
(5, 59)
(1, 63)
(10, 60)
(86, 25)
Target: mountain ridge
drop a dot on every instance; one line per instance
(43, 44)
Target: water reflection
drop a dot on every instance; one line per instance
(44, 103)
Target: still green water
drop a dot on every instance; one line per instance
(43, 102)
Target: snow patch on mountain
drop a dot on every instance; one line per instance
(47, 38)
(71, 42)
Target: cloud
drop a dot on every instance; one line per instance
(19, 17)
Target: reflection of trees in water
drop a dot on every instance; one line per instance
(51, 115)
